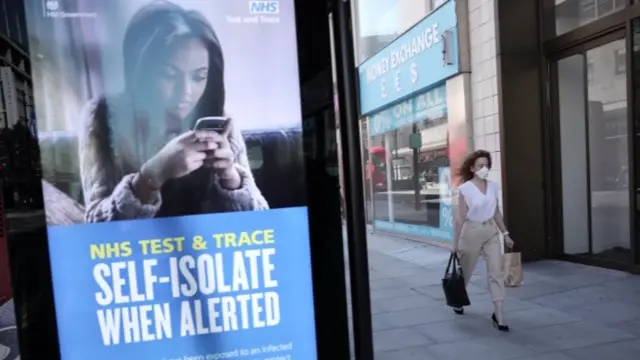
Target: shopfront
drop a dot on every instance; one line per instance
(592, 52)
(413, 110)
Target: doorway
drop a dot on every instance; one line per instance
(592, 160)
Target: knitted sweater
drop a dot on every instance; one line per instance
(9, 349)
(107, 171)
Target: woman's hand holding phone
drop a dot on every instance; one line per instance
(221, 160)
(179, 157)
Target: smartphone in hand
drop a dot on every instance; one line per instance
(219, 124)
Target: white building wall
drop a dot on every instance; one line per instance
(484, 82)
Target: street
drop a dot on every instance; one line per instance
(563, 311)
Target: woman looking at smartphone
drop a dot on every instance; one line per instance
(139, 154)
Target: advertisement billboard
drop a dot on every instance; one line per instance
(171, 159)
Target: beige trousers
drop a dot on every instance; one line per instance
(481, 238)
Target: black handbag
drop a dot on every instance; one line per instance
(453, 284)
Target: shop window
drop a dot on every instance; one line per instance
(407, 169)
(21, 103)
(594, 153)
(19, 30)
(572, 14)
(4, 22)
(2, 108)
(620, 61)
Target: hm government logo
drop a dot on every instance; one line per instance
(54, 9)
(52, 5)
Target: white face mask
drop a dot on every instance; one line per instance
(483, 173)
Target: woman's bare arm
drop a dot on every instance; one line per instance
(499, 219)
(461, 216)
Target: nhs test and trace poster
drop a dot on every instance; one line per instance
(162, 244)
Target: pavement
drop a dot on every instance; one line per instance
(563, 311)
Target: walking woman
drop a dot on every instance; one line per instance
(478, 226)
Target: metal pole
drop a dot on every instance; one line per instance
(354, 190)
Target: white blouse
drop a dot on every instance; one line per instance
(480, 207)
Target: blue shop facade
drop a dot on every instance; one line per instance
(413, 108)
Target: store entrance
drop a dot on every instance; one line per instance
(592, 152)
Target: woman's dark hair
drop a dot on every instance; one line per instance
(148, 37)
(465, 170)
(151, 32)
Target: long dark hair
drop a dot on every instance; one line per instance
(148, 37)
(465, 170)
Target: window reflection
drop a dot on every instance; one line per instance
(379, 22)
(571, 14)
(595, 156)
(608, 152)
(407, 167)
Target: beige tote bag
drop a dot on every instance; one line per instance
(513, 269)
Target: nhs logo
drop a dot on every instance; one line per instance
(264, 7)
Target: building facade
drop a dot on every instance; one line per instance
(547, 86)
(19, 155)
(17, 93)
(16, 99)
(591, 51)
(427, 97)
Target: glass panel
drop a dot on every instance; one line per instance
(367, 165)
(635, 66)
(379, 22)
(608, 152)
(571, 14)
(4, 23)
(573, 146)
(592, 92)
(408, 167)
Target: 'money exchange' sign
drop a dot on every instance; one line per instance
(412, 62)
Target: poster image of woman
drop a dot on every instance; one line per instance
(140, 156)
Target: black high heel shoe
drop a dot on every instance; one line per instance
(459, 311)
(496, 324)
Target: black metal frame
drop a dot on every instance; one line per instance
(633, 147)
(354, 187)
(610, 28)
